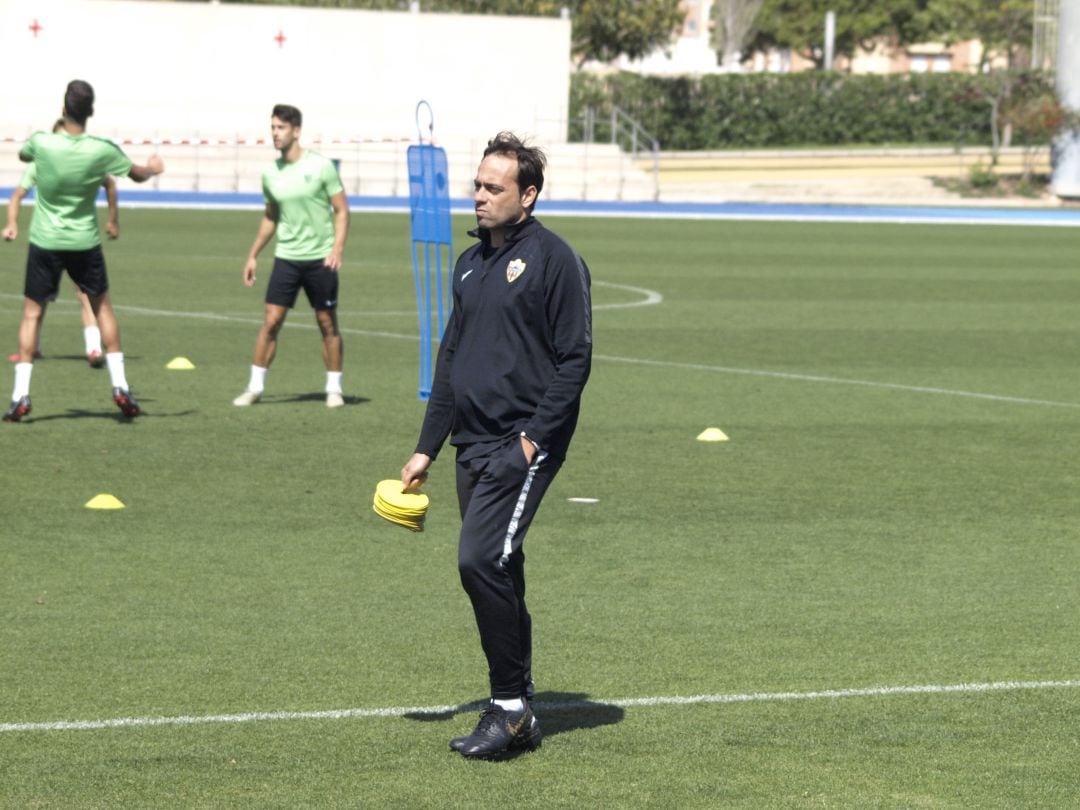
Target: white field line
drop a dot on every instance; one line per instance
(213, 316)
(784, 375)
(1020, 218)
(649, 298)
(552, 209)
(674, 700)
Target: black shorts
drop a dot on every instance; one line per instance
(45, 267)
(319, 282)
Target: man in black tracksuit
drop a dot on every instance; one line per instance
(507, 390)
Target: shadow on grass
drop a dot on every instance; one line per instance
(286, 399)
(108, 415)
(81, 358)
(112, 416)
(558, 712)
(570, 711)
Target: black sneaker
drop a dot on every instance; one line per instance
(501, 734)
(126, 402)
(19, 408)
(457, 743)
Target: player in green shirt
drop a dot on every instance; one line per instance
(64, 235)
(307, 209)
(91, 333)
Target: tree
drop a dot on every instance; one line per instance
(366, 5)
(800, 25)
(601, 29)
(1035, 115)
(1004, 28)
(606, 29)
(735, 21)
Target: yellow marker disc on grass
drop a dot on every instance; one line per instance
(104, 501)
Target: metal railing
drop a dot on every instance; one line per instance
(376, 166)
(620, 129)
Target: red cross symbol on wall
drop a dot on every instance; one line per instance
(35, 27)
(280, 39)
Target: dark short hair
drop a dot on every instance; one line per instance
(79, 101)
(531, 160)
(288, 113)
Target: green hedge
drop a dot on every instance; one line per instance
(739, 111)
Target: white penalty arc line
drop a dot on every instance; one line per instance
(675, 700)
(649, 298)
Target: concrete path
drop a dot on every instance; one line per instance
(850, 176)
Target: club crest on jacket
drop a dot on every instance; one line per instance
(514, 269)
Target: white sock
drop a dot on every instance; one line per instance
(258, 379)
(515, 705)
(115, 362)
(333, 382)
(22, 380)
(92, 336)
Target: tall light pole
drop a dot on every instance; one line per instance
(830, 38)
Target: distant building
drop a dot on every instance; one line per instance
(924, 57)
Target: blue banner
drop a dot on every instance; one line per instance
(429, 194)
(429, 204)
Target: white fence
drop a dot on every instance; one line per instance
(368, 168)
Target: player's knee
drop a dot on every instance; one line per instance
(473, 567)
(328, 326)
(33, 312)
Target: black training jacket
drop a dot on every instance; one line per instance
(518, 346)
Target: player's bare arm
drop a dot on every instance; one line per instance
(414, 473)
(154, 166)
(11, 230)
(529, 449)
(341, 230)
(112, 225)
(267, 227)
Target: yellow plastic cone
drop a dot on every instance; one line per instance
(180, 364)
(104, 501)
(712, 435)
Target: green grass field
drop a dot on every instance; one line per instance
(895, 513)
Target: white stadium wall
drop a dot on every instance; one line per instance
(198, 71)
(1066, 179)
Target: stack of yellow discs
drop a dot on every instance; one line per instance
(406, 509)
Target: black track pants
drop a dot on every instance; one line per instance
(498, 495)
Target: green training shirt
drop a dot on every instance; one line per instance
(302, 192)
(70, 169)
